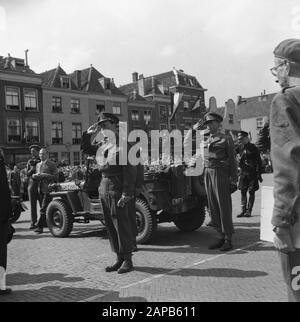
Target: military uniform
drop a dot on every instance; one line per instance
(250, 173)
(220, 174)
(33, 189)
(117, 185)
(285, 152)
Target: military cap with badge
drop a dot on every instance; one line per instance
(210, 117)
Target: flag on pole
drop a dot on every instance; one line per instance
(197, 103)
(177, 99)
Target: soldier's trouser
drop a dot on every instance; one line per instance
(118, 224)
(244, 199)
(33, 198)
(217, 184)
(132, 216)
(3, 244)
(290, 264)
(46, 198)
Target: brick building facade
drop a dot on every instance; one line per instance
(21, 109)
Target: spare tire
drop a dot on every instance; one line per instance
(191, 220)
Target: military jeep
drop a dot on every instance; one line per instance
(166, 196)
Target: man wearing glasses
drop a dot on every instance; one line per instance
(285, 143)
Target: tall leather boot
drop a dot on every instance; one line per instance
(3, 289)
(250, 205)
(243, 204)
(127, 265)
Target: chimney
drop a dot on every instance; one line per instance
(141, 76)
(153, 82)
(135, 77)
(141, 86)
(26, 58)
(78, 78)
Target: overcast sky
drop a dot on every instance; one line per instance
(226, 44)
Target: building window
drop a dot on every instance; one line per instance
(30, 99)
(147, 117)
(162, 110)
(105, 83)
(100, 108)
(14, 131)
(135, 115)
(173, 127)
(53, 156)
(56, 104)
(76, 158)
(57, 133)
(12, 98)
(163, 127)
(75, 106)
(32, 131)
(186, 104)
(231, 119)
(65, 158)
(76, 133)
(259, 123)
(65, 82)
(116, 108)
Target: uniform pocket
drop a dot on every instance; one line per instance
(281, 133)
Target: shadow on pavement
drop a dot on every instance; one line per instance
(68, 294)
(24, 278)
(211, 272)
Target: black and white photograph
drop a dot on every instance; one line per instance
(149, 154)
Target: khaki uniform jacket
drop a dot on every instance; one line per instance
(219, 152)
(108, 157)
(285, 153)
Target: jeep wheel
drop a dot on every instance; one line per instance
(59, 218)
(145, 220)
(191, 220)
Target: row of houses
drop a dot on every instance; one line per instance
(53, 108)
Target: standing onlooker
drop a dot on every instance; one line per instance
(5, 214)
(15, 181)
(46, 172)
(250, 173)
(285, 150)
(220, 177)
(33, 184)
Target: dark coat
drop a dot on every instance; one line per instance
(220, 153)
(5, 200)
(285, 151)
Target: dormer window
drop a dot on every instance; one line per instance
(105, 83)
(65, 82)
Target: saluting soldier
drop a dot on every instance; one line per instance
(116, 191)
(250, 172)
(33, 193)
(220, 177)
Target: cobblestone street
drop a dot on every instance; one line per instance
(175, 266)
